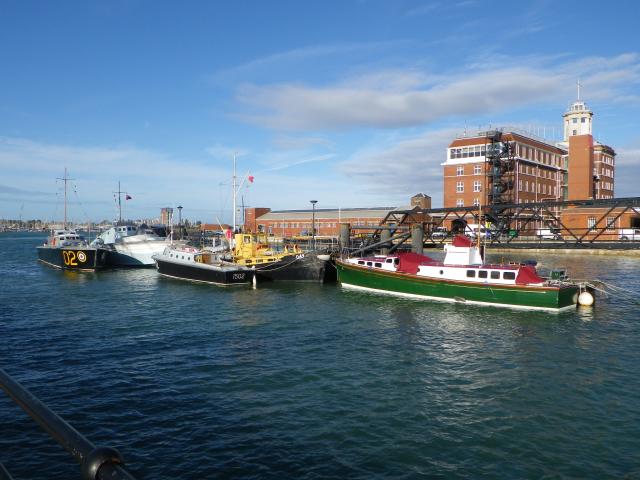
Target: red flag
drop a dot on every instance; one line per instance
(127, 197)
(251, 177)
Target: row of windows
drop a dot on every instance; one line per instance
(610, 225)
(395, 261)
(466, 152)
(522, 151)
(523, 186)
(460, 202)
(582, 120)
(605, 171)
(495, 274)
(477, 170)
(308, 224)
(538, 155)
(533, 170)
(523, 168)
(477, 186)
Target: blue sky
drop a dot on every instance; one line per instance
(348, 102)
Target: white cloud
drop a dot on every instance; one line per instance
(276, 61)
(404, 167)
(154, 180)
(393, 99)
(224, 152)
(297, 162)
(288, 142)
(628, 157)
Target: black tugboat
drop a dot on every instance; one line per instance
(67, 250)
(188, 263)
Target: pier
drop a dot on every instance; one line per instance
(519, 225)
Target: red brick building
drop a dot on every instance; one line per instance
(578, 168)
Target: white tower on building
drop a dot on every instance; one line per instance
(578, 119)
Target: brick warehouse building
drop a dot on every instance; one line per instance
(289, 223)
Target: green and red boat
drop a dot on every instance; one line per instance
(461, 277)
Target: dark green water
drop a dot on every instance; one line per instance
(309, 381)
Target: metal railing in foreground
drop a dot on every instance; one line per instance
(96, 463)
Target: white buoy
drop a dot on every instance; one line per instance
(585, 299)
(254, 281)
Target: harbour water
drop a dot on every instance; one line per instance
(309, 381)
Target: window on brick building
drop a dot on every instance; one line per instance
(459, 202)
(591, 222)
(477, 169)
(611, 223)
(460, 187)
(476, 202)
(460, 170)
(476, 186)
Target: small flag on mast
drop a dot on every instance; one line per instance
(127, 197)
(250, 178)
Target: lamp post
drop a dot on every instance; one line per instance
(313, 221)
(180, 220)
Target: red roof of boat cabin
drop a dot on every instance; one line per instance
(462, 241)
(527, 274)
(409, 262)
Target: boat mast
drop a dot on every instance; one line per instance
(479, 239)
(119, 203)
(234, 193)
(65, 179)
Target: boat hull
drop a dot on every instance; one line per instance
(303, 267)
(203, 273)
(551, 298)
(83, 259)
(136, 255)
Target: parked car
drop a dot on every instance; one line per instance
(471, 231)
(439, 233)
(629, 234)
(552, 233)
